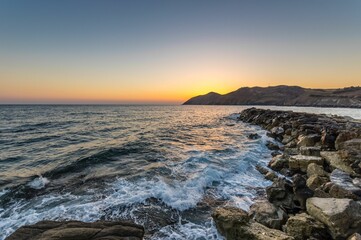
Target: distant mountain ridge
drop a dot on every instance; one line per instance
(283, 96)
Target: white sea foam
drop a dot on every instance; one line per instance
(230, 176)
(38, 183)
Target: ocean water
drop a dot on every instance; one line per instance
(165, 167)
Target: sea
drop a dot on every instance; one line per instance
(165, 167)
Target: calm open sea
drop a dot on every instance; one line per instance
(165, 167)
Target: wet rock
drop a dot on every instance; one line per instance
(343, 186)
(267, 214)
(267, 173)
(303, 226)
(235, 224)
(308, 140)
(341, 216)
(315, 169)
(301, 162)
(278, 162)
(47, 230)
(272, 146)
(280, 193)
(310, 151)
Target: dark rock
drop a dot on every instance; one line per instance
(310, 151)
(272, 146)
(68, 230)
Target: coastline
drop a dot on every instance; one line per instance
(284, 213)
(316, 189)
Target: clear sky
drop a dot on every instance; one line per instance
(111, 51)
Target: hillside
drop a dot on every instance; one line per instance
(283, 96)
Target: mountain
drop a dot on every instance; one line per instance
(283, 96)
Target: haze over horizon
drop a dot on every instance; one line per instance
(166, 51)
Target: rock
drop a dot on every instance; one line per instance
(354, 236)
(280, 193)
(310, 151)
(346, 135)
(341, 216)
(301, 191)
(315, 181)
(335, 161)
(268, 173)
(315, 169)
(46, 230)
(267, 214)
(308, 140)
(272, 146)
(235, 224)
(254, 136)
(300, 162)
(303, 226)
(328, 139)
(278, 162)
(343, 186)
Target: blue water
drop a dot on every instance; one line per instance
(165, 167)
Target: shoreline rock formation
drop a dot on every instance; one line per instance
(283, 96)
(66, 230)
(316, 175)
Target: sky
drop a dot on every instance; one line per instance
(153, 51)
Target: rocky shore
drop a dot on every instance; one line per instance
(316, 175)
(75, 230)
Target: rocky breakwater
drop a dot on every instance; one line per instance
(316, 175)
(75, 230)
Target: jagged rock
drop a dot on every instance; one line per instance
(310, 151)
(52, 230)
(267, 173)
(315, 181)
(280, 193)
(300, 162)
(341, 216)
(235, 224)
(278, 162)
(308, 140)
(346, 135)
(335, 161)
(315, 169)
(267, 214)
(343, 186)
(303, 226)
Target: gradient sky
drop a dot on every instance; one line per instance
(109, 51)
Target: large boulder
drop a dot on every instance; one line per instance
(341, 216)
(235, 224)
(335, 161)
(53, 230)
(315, 181)
(301, 162)
(303, 226)
(267, 214)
